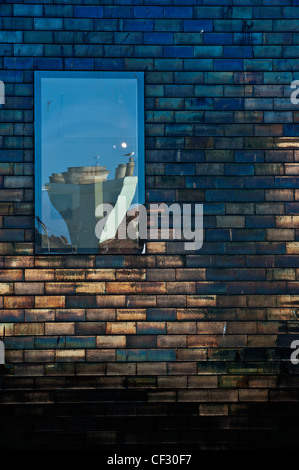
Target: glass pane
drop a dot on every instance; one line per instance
(89, 161)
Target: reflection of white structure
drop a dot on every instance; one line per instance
(113, 219)
(2, 353)
(77, 193)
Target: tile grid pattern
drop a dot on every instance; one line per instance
(206, 333)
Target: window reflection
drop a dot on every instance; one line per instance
(89, 153)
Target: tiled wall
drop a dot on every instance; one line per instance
(169, 346)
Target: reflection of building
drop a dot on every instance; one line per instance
(77, 193)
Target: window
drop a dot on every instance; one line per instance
(89, 161)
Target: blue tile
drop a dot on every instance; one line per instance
(198, 25)
(79, 64)
(239, 169)
(48, 23)
(161, 355)
(178, 12)
(28, 10)
(131, 355)
(178, 51)
(109, 64)
(229, 103)
(11, 36)
(110, 261)
(218, 38)
(162, 38)
(249, 156)
(244, 52)
(88, 11)
(119, 12)
(160, 314)
(48, 63)
(291, 130)
(148, 12)
(18, 63)
(228, 65)
(11, 155)
(138, 25)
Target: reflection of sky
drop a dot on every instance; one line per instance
(86, 117)
(81, 119)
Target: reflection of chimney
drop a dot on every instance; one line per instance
(57, 178)
(120, 171)
(130, 167)
(85, 174)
